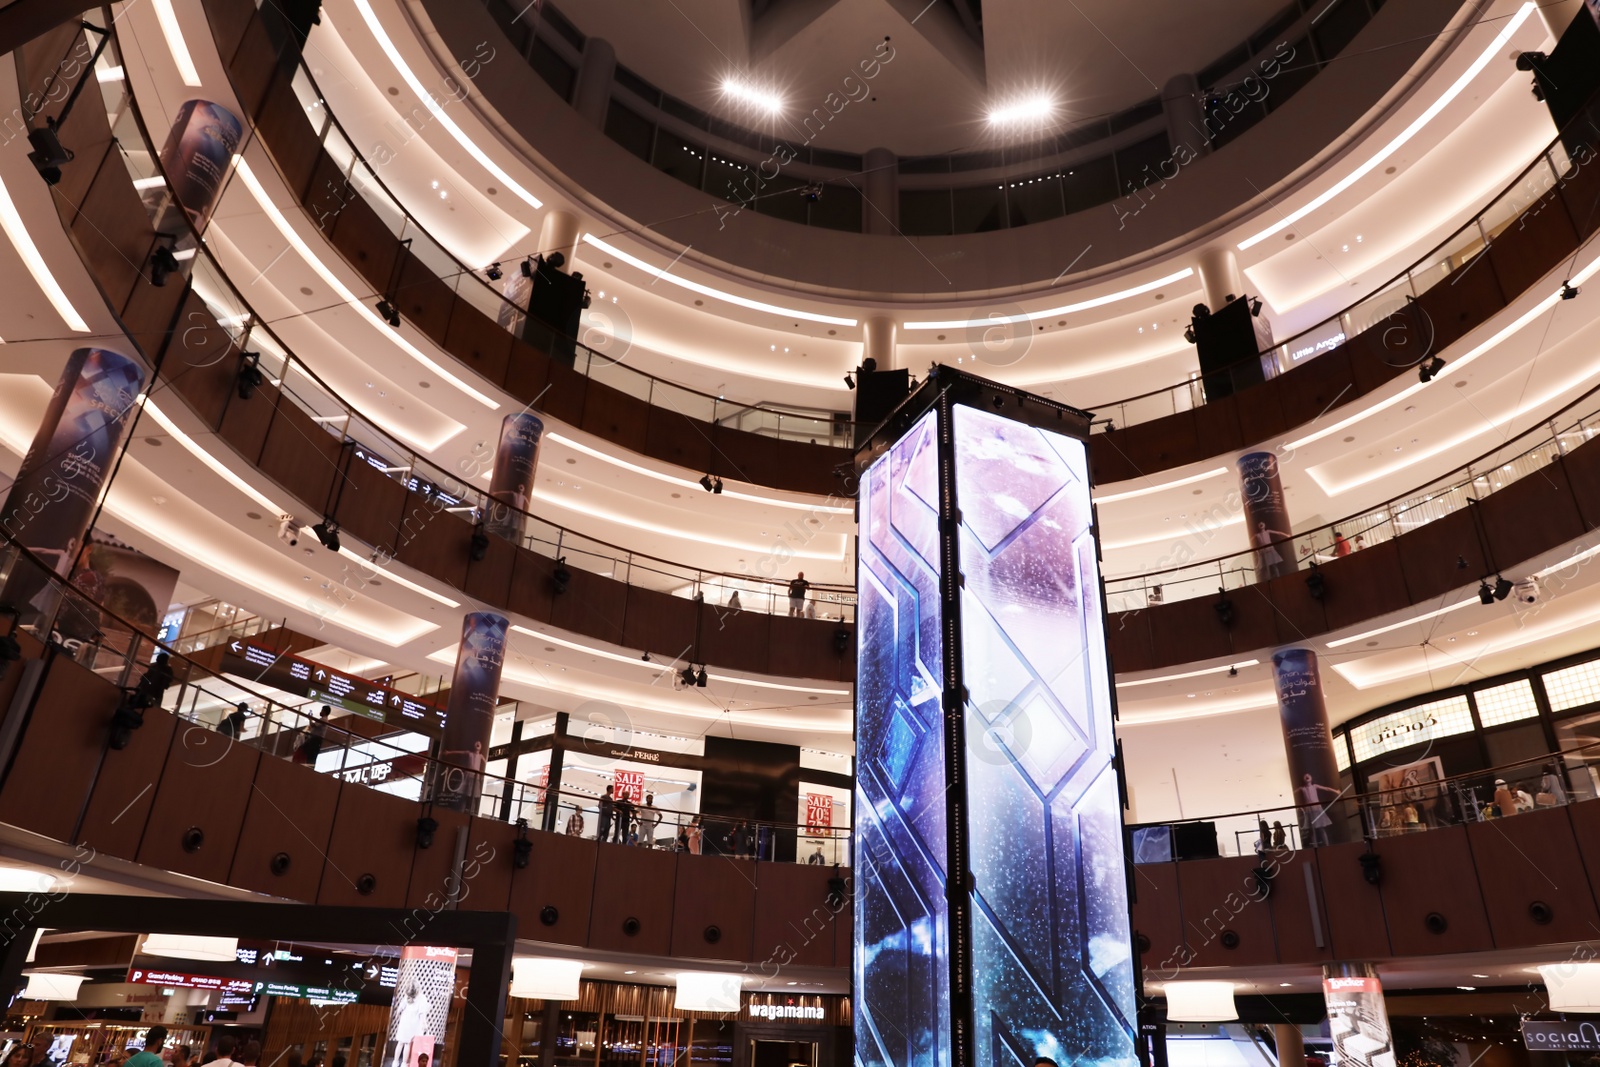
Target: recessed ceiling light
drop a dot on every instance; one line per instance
(1467, 988)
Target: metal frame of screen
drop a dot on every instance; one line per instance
(984, 713)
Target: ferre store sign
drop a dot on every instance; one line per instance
(1560, 1036)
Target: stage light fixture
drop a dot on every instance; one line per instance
(427, 826)
(1430, 370)
(48, 155)
(705, 482)
(1502, 587)
(849, 381)
(521, 848)
(494, 272)
(388, 312)
(1485, 594)
(744, 92)
(716, 486)
(480, 543)
(700, 679)
(1372, 867)
(527, 267)
(561, 577)
(1034, 108)
(1223, 607)
(1316, 585)
(1255, 307)
(1569, 291)
(327, 532)
(250, 376)
(686, 676)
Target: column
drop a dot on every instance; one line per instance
(592, 96)
(552, 796)
(66, 467)
(1358, 1021)
(469, 717)
(195, 157)
(516, 462)
(1291, 1044)
(1308, 744)
(559, 233)
(880, 187)
(1180, 103)
(1266, 515)
(1220, 276)
(425, 984)
(879, 334)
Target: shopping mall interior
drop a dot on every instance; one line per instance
(567, 533)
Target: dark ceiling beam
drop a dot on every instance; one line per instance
(23, 20)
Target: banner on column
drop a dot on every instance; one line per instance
(628, 784)
(1266, 515)
(196, 156)
(48, 508)
(516, 460)
(423, 987)
(1308, 744)
(1358, 1021)
(469, 718)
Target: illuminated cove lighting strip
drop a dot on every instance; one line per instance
(685, 483)
(1111, 498)
(175, 42)
(1341, 642)
(706, 290)
(1188, 674)
(1489, 54)
(28, 252)
(687, 535)
(271, 211)
(1065, 309)
(661, 668)
(428, 101)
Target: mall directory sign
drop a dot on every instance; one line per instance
(984, 745)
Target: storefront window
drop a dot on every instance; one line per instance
(712, 1043)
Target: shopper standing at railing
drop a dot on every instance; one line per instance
(575, 823)
(1551, 792)
(797, 595)
(608, 808)
(695, 835)
(625, 811)
(316, 735)
(649, 821)
(233, 725)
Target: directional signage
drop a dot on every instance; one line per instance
(325, 685)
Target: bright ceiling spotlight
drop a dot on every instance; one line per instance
(1035, 108)
(746, 93)
(1200, 1002)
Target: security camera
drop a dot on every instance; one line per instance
(1526, 591)
(288, 531)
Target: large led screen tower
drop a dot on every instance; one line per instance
(991, 900)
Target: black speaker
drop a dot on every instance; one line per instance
(1227, 341)
(877, 394)
(1194, 841)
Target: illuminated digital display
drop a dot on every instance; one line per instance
(1049, 967)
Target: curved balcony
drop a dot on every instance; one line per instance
(1471, 523)
(1522, 234)
(274, 826)
(1459, 885)
(457, 308)
(302, 436)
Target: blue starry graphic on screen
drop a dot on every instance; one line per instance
(1052, 954)
(901, 922)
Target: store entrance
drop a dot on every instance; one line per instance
(766, 1053)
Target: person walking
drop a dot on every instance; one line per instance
(225, 1046)
(797, 595)
(233, 725)
(608, 811)
(155, 1039)
(316, 735)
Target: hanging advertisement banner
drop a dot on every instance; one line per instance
(134, 589)
(469, 717)
(426, 982)
(1308, 743)
(53, 497)
(195, 158)
(628, 784)
(516, 460)
(1266, 515)
(1358, 1022)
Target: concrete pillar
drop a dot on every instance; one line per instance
(1558, 15)
(1180, 102)
(878, 341)
(880, 185)
(1291, 1044)
(592, 96)
(1308, 744)
(1220, 275)
(559, 233)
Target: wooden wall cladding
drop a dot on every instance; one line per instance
(1546, 494)
(633, 886)
(616, 416)
(54, 767)
(125, 790)
(1158, 918)
(1535, 888)
(433, 540)
(1298, 913)
(560, 876)
(286, 830)
(191, 367)
(1358, 926)
(200, 804)
(301, 453)
(795, 919)
(714, 907)
(1529, 247)
(370, 504)
(1226, 921)
(487, 875)
(1426, 875)
(374, 836)
(431, 882)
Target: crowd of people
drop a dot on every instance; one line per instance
(623, 822)
(227, 1052)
